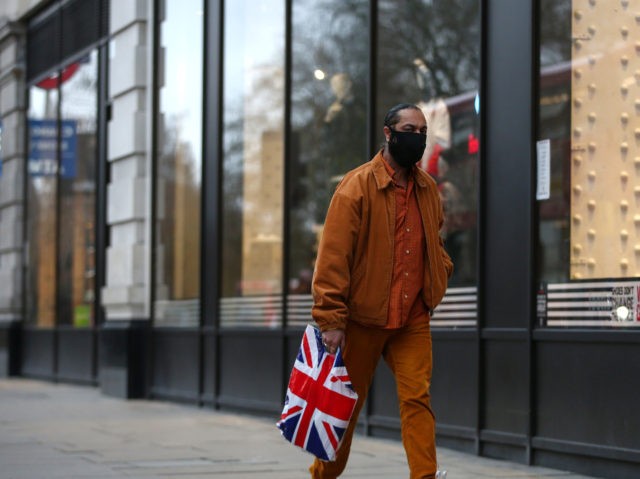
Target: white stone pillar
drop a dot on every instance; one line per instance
(12, 116)
(126, 293)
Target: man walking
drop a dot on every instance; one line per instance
(381, 269)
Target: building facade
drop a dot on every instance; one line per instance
(166, 166)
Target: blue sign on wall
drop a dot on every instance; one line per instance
(43, 148)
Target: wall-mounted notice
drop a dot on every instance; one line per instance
(543, 150)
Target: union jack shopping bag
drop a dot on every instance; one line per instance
(320, 399)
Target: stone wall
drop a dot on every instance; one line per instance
(128, 195)
(12, 116)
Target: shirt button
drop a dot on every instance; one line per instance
(408, 229)
(407, 251)
(406, 296)
(406, 273)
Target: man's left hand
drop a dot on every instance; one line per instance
(332, 340)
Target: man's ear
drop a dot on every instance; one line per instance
(387, 132)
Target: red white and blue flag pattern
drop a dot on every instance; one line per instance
(320, 399)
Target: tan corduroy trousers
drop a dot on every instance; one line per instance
(407, 351)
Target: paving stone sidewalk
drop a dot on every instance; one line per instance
(61, 431)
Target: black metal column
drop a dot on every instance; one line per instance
(507, 240)
(212, 201)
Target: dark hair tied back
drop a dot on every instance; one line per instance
(393, 115)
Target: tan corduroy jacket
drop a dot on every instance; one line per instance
(352, 276)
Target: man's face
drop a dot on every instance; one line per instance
(412, 121)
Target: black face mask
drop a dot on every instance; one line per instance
(407, 147)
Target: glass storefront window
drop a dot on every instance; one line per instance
(61, 196)
(62, 177)
(42, 166)
(589, 223)
(328, 126)
(253, 148)
(77, 193)
(179, 164)
(429, 54)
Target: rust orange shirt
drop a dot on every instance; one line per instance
(405, 300)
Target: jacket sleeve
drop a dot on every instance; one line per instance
(332, 275)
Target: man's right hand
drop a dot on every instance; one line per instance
(332, 340)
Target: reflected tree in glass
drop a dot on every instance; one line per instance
(179, 165)
(429, 54)
(328, 117)
(253, 154)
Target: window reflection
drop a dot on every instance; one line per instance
(588, 228)
(429, 54)
(41, 204)
(587, 112)
(77, 193)
(179, 167)
(61, 196)
(329, 125)
(253, 163)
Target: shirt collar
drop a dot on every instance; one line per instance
(384, 178)
(393, 173)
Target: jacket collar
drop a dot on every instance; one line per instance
(383, 180)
